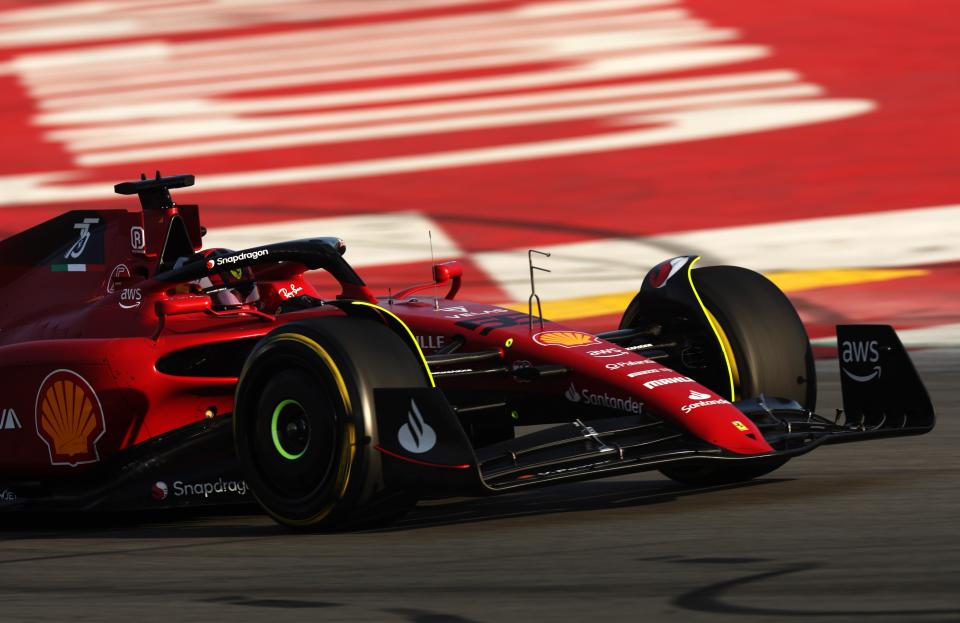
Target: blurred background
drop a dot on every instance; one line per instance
(816, 142)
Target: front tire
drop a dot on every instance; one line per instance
(304, 426)
(770, 354)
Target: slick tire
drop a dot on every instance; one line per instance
(771, 355)
(304, 427)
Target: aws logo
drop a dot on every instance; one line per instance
(861, 352)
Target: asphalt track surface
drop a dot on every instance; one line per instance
(848, 533)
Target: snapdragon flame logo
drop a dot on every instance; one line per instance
(160, 491)
(566, 339)
(69, 418)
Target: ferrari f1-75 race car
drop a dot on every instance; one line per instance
(139, 371)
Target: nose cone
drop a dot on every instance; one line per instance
(742, 436)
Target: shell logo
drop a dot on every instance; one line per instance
(567, 339)
(69, 418)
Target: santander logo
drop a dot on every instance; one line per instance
(416, 435)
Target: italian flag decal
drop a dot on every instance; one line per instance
(76, 268)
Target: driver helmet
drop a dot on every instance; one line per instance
(233, 287)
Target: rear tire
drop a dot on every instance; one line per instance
(304, 426)
(771, 354)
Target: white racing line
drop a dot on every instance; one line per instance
(608, 266)
(898, 238)
(876, 239)
(163, 100)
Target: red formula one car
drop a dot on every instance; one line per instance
(140, 372)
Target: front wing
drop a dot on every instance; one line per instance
(421, 438)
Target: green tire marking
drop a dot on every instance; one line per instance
(276, 435)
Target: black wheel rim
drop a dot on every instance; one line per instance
(296, 437)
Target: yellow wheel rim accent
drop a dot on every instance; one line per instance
(728, 352)
(413, 339)
(718, 332)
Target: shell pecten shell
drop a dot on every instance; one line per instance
(69, 418)
(567, 339)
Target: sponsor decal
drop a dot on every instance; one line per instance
(432, 342)
(7, 496)
(118, 274)
(138, 240)
(75, 268)
(236, 257)
(628, 364)
(291, 292)
(80, 245)
(463, 312)
(416, 435)
(587, 396)
(69, 418)
(9, 420)
(662, 273)
(634, 375)
(703, 403)
(861, 352)
(236, 273)
(670, 380)
(565, 470)
(486, 324)
(457, 371)
(737, 424)
(130, 298)
(695, 395)
(566, 339)
(608, 353)
(160, 491)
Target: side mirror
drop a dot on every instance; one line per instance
(451, 271)
(447, 272)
